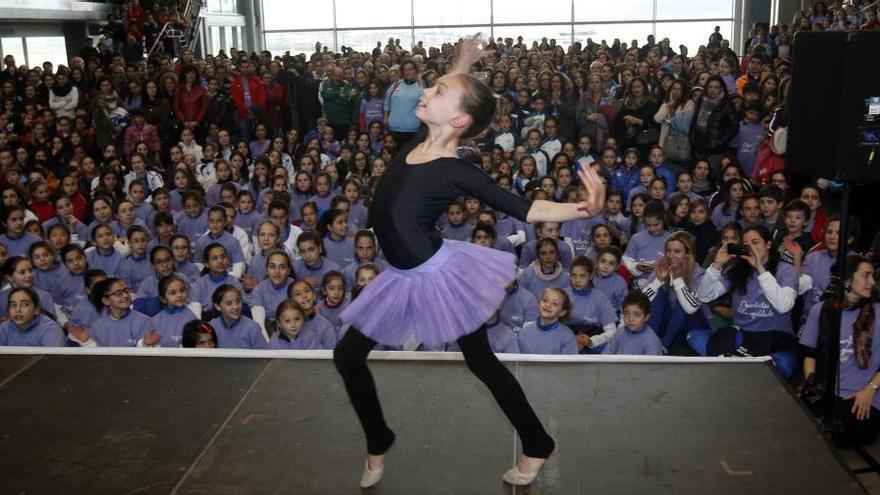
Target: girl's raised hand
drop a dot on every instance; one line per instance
(469, 51)
(81, 334)
(595, 201)
(662, 268)
(152, 337)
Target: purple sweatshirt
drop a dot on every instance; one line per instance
(339, 251)
(554, 338)
(518, 308)
(267, 295)
(107, 331)
(305, 340)
(41, 332)
(169, 323)
(640, 343)
(243, 333)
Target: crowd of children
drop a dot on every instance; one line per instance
(241, 236)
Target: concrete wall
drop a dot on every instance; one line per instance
(53, 10)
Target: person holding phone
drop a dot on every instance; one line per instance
(648, 245)
(763, 295)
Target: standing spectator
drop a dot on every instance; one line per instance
(104, 104)
(401, 99)
(63, 96)
(249, 96)
(636, 125)
(277, 103)
(191, 100)
(336, 94)
(714, 124)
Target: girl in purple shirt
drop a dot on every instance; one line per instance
(764, 292)
(26, 326)
(549, 335)
(272, 290)
(290, 329)
(339, 247)
(174, 295)
(333, 300)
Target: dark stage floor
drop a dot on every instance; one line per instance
(126, 425)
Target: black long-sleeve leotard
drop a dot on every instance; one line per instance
(409, 200)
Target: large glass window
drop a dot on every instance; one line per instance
(691, 34)
(622, 10)
(283, 14)
(298, 42)
(529, 11)
(693, 9)
(609, 32)
(365, 40)
(358, 23)
(561, 33)
(437, 36)
(46, 49)
(451, 12)
(14, 47)
(362, 13)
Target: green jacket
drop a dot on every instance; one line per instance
(337, 102)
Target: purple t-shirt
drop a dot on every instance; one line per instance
(305, 340)
(852, 377)
(558, 339)
(41, 332)
(642, 343)
(614, 286)
(818, 266)
(753, 312)
(590, 307)
(646, 248)
(519, 308)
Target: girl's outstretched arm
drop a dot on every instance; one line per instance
(549, 211)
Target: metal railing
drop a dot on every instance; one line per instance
(181, 38)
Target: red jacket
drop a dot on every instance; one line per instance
(190, 106)
(258, 94)
(44, 210)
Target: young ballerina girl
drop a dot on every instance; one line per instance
(416, 188)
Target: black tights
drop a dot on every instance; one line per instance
(350, 357)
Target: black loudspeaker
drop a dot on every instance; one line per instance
(834, 124)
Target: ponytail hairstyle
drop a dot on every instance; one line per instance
(99, 292)
(478, 102)
(327, 219)
(206, 253)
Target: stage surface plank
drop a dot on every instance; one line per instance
(101, 424)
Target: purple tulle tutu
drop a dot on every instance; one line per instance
(450, 295)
